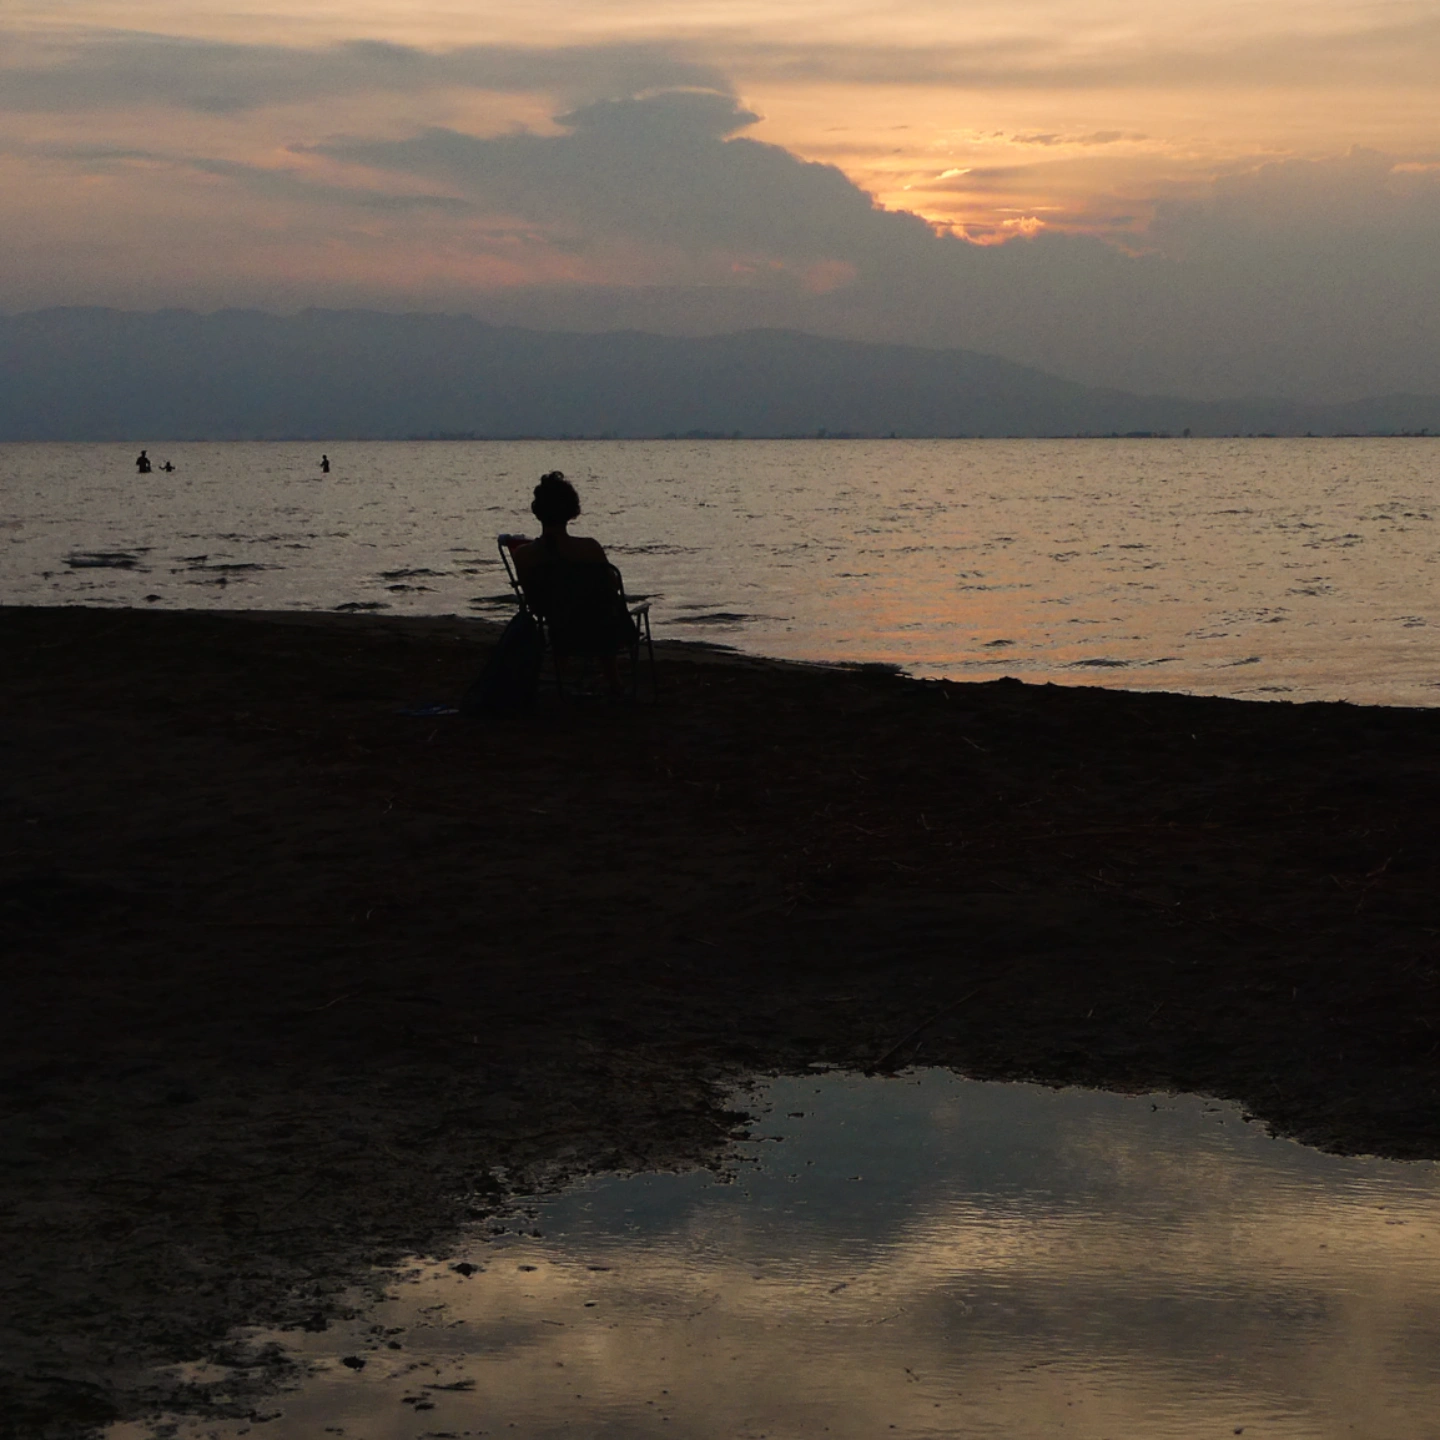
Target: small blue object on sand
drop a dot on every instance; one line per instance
(427, 712)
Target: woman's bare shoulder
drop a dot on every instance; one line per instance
(584, 548)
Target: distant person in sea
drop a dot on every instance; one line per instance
(168, 468)
(324, 464)
(142, 463)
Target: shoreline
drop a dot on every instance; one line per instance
(299, 977)
(147, 439)
(481, 630)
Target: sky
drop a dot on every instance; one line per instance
(1195, 196)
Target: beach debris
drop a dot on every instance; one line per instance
(428, 712)
(353, 1362)
(885, 1061)
(466, 1269)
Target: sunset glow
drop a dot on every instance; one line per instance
(276, 154)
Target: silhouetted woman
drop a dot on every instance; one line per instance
(568, 580)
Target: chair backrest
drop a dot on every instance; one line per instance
(581, 603)
(583, 606)
(507, 557)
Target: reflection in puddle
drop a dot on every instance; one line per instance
(922, 1256)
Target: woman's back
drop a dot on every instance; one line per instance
(573, 549)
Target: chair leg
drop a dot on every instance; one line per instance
(650, 652)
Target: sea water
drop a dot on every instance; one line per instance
(1295, 568)
(917, 1256)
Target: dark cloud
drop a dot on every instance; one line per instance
(1095, 137)
(675, 116)
(68, 71)
(92, 157)
(661, 169)
(116, 70)
(265, 181)
(293, 185)
(1360, 191)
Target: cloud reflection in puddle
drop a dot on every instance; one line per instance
(931, 1254)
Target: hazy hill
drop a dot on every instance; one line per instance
(92, 374)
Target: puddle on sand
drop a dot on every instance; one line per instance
(920, 1256)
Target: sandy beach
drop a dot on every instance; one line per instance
(298, 983)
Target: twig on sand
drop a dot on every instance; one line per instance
(316, 1009)
(883, 1063)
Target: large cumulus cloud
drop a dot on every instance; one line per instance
(666, 169)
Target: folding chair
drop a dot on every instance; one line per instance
(582, 612)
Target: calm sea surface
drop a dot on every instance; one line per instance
(1300, 569)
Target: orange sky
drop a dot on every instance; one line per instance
(1073, 113)
(203, 153)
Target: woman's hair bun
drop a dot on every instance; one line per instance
(555, 501)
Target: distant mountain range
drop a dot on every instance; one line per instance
(93, 374)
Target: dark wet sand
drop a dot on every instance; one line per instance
(290, 976)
